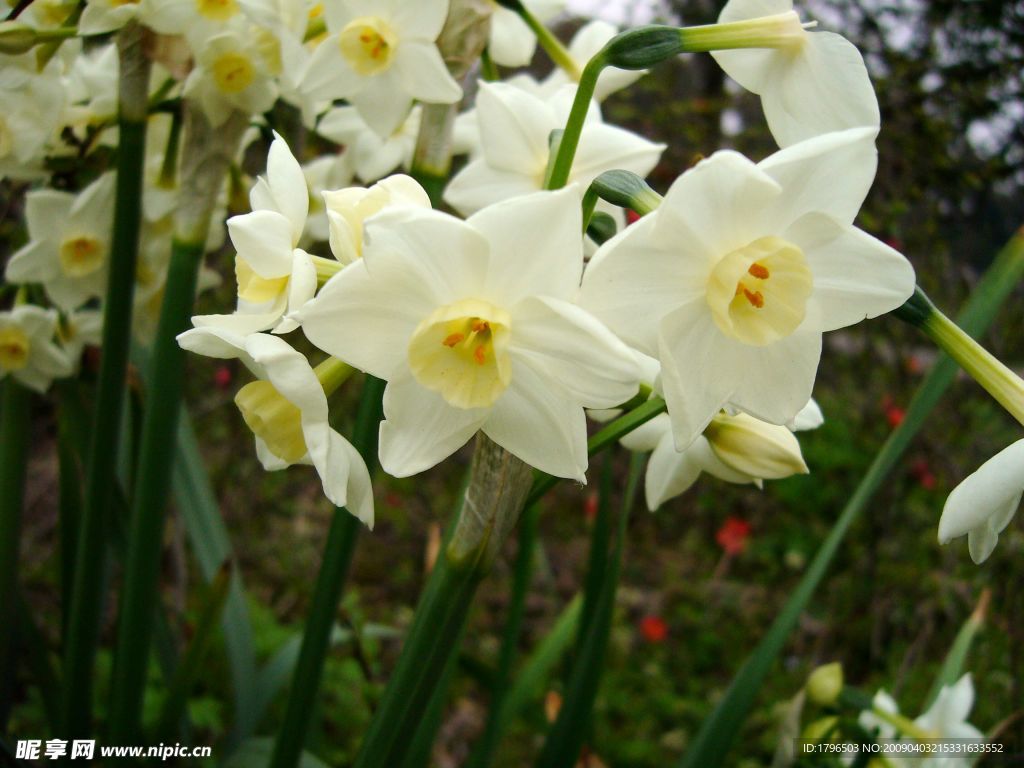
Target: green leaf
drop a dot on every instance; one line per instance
(718, 732)
(953, 665)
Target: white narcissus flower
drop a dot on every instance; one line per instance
(740, 271)
(199, 20)
(472, 325)
(738, 449)
(348, 209)
(323, 173)
(230, 74)
(288, 413)
(815, 85)
(31, 106)
(380, 55)
(27, 350)
(515, 130)
(372, 156)
(80, 328)
(511, 42)
(274, 275)
(985, 502)
(69, 243)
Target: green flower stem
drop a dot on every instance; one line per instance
(38, 660)
(488, 69)
(782, 30)
(904, 725)
(341, 542)
(561, 167)
(205, 163)
(87, 598)
(565, 739)
(485, 748)
(490, 507)
(718, 732)
(14, 434)
(610, 434)
(552, 45)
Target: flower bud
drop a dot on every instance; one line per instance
(626, 190)
(16, 38)
(643, 47)
(820, 729)
(825, 684)
(754, 447)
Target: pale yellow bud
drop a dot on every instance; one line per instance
(825, 684)
(754, 447)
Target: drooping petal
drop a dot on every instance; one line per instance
(535, 421)
(420, 429)
(669, 473)
(572, 346)
(775, 381)
(535, 245)
(855, 275)
(988, 493)
(220, 343)
(511, 43)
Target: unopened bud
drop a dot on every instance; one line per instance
(16, 38)
(643, 47)
(754, 447)
(273, 419)
(825, 684)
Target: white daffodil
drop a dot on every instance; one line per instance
(31, 107)
(511, 42)
(738, 449)
(515, 131)
(101, 16)
(69, 243)
(274, 275)
(230, 73)
(348, 209)
(815, 85)
(741, 270)
(27, 350)
(473, 326)
(323, 173)
(288, 414)
(372, 156)
(945, 719)
(78, 329)
(380, 55)
(985, 502)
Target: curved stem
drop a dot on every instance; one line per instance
(566, 153)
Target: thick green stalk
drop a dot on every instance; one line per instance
(341, 542)
(14, 427)
(38, 660)
(207, 155)
(566, 737)
(719, 730)
(87, 598)
(561, 166)
(484, 751)
(492, 502)
(70, 488)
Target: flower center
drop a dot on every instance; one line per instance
(256, 289)
(14, 348)
(460, 352)
(368, 44)
(273, 419)
(233, 72)
(217, 10)
(758, 293)
(81, 256)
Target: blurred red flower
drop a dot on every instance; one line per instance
(222, 377)
(733, 535)
(653, 629)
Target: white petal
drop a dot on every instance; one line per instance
(479, 185)
(775, 381)
(264, 240)
(669, 473)
(647, 436)
(383, 104)
(987, 493)
(535, 245)
(36, 262)
(699, 368)
(539, 424)
(810, 417)
(328, 75)
(855, 275)
(288, 185)
(721, 204)
(423, 75)
(831, 174)
(420, 428)
(515, 128)
(219, 343)
(512, 43)
(607, 147)
(44, 209)
(576, 350)
(636, 270)
(423, 19)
